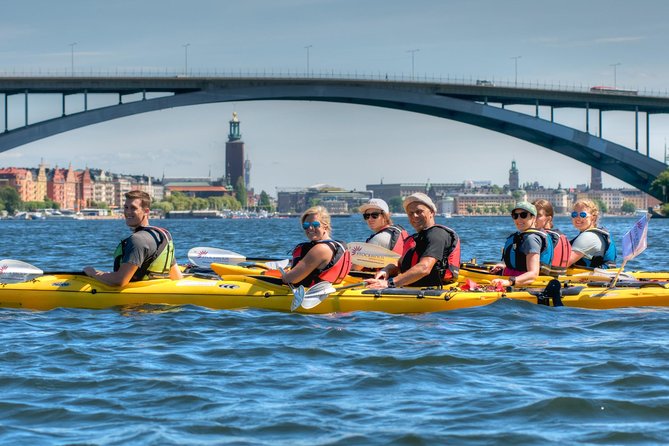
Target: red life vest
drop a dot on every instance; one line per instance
(561, 252)
(336, 269)
(397, 236)
(448, 267)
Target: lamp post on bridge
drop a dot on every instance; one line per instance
(413, 52)
(72, 57)
(307, 48)
(186, 58)
(615, 80)
(515, 60)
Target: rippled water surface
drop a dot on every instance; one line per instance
(508, 373)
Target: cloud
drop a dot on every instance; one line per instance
(621, 39)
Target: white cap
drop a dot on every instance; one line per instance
(375, 203)
(421, 198)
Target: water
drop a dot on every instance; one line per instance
(508, 373)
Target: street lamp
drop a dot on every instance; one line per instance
(615, 81)
(515, 59)
(72, 57)
(186, 58)
(307, 48)
(413, 52)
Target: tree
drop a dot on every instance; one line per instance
(628, 207)
(265, 202)
(10, 199)
(395, 204)
(603, 208)
(240, 192)
(660, 187)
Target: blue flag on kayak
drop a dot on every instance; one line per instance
(634, 240)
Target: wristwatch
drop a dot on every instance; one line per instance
(512, 279)
(391, 283)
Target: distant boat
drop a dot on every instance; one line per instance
(446, 215)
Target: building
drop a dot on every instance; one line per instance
(335, 200)
(19, 179)
(595, 179)
(234, 154)
(514, 177)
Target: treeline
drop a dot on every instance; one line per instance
(10, 201)
(178, 201)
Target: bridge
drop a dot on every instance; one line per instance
(484, 105)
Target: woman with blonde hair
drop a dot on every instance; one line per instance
(321, 258)
(593, 247)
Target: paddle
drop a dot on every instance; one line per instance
(16, 271)
(298, 293)
(319, 292)
(203, 257)
(371, 256)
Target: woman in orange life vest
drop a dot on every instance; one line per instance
(561, 245)
(386, 234)
(321, 258)
(527, 246)
(431, 257)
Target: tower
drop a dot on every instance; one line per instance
(234, 154)
(247, 174)
(514, 181)
(595, 179)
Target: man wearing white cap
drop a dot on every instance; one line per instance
(386, 234)
(431, 257)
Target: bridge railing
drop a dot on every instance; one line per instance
(328, 74)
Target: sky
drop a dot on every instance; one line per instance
(298, 144)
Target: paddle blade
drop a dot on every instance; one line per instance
(204, 257)
(15, 271)
(371, 256)
(298, 297)
(276, 264)
(317, 294)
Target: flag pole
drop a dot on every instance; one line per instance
(615, 279)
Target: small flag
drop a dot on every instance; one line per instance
(634, 240)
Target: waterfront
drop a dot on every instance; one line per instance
(509, 373)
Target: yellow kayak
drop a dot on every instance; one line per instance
(231, 292)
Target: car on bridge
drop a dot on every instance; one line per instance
(612, 90)
(484, 83)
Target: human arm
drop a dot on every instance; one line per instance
(317, 257)
(175, 272)
(585, 245)
(533, 267)
(413, 274)
(115, 278)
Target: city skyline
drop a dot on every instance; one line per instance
(293, 144)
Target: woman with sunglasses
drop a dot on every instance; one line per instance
(561, 245)
(321, 258)
(386, 234)
(593, 247)
(525, 250)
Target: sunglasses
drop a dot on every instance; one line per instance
(373, 215)
(306, 225)
(579, 214)
(522, 215)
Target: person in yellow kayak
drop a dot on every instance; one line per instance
(431, 256)
(386, 234)
(561, 245)
(524, 250)
(593, 247)
(147, 253)
(321, 258)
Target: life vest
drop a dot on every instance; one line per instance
(336, 269)
(609, 256)
(561, 253)
(397, 236)
(516, 260)
(158, 264)
(447, 268)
